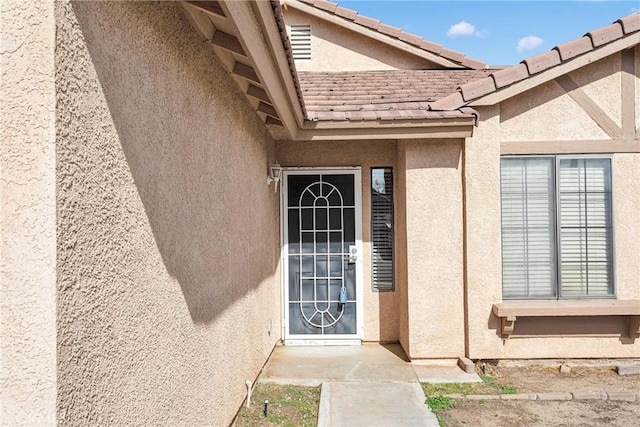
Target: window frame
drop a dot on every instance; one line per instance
(557, 229)
(375, 287)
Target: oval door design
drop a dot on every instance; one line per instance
(321, 229)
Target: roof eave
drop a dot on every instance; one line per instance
(328, 130)
(555, 72)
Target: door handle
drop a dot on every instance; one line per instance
(353, 254)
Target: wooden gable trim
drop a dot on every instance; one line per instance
(589, 106)
(243, 16)
(557, 71)
(629, 76)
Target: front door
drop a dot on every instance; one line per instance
(322, 256)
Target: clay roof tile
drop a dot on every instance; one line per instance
(410, 38)
(631, 23)
(326, 5)
(346, 13)
(389, 30)
(574, 48)
(454, 55)
(606, 34)
(365, 21)
(510, 75)
(542, 62)
(477, 89)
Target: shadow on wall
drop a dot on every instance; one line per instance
(196, 153)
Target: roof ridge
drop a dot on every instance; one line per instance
(528, 67)
(395, 33)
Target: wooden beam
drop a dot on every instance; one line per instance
(628, 93)
(209, 6)
(200, 21)
(571, 147)
(228, 42)
(268, 109)
(245, 71)
(249, 30)
(271, 121)
(258, 93)
(589, 106)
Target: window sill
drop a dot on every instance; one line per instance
(509, 311)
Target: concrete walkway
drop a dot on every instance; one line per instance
(368, 385)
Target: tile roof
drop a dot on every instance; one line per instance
(381, 95)
(396, 33)
(558, 55)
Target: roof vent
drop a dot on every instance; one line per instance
(301, 42)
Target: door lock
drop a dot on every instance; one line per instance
(353, 254)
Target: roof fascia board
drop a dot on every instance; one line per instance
(398, 44)
(372, 126)
(265, 15)
(250, 33)
(553, 73)
(353, 134)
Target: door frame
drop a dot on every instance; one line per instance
(352, 339)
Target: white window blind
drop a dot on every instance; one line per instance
(556, 227)
(528, 228)
(585, 227)
(382, 229)
(301, 41)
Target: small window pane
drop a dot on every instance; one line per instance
(382, 229)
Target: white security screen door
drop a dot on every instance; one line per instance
(322, 255)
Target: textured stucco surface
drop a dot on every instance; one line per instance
(27, 214)
(601, 81)
(334, 48)
(167, 231)
(434, 248)
(545, 113)
(380, 308)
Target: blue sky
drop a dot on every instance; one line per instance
(497, 32)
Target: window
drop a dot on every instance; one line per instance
(301, 41)
(382, 229)
(556, 227)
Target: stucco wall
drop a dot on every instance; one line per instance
(434, 248)
(27, 214)
(547, 114)
(334, 48)
(167, 231)
(380, 308)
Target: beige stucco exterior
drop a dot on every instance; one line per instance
(434, 251)
(547, 117)
(140, 243)
(27, 214)
(334, 48)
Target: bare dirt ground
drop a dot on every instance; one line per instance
(498, 413)
(535, 379)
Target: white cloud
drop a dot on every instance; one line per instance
(462, 28)
(528, 43)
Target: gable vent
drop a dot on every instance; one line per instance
(301, 41)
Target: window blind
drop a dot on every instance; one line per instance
(585, 227)
(528, 228)
(556, 247)
(382, 229)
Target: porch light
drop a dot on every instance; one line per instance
(275, 173)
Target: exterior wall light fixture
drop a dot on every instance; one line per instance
(275, 173)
